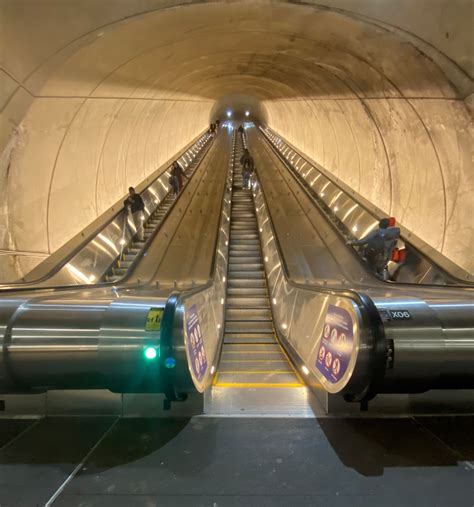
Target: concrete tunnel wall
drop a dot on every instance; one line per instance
(91, 106)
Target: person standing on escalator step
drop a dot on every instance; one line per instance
(176, 178)
(135, 205)
(247, 168)
(378, 246)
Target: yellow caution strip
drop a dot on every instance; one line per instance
(245, 386)
(252, 352)
(238, 372)
(253, 360)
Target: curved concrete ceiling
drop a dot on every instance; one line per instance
(372, 108)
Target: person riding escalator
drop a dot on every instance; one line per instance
(176, 178)
(247, 168)
(135, 205)
(378, 246)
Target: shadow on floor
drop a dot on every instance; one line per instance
(371, 445)
(132, 440)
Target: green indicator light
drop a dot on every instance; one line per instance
(151, 353)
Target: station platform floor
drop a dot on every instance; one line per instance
(237, 461)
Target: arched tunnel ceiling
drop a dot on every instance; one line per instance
(357, 98)
(206, 49)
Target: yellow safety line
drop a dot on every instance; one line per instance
(254, 361)
(251, 352)
(242, 344)
(253, 385)
(254, 371)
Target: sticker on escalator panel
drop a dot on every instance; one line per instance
(195, 343)
(337, 342)
(153, 319)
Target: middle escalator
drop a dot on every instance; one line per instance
(251, 355)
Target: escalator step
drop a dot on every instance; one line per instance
(248, 314)
(246, 283)
(246, 301)
(247, 275)
(237, 267)
(265, 327)
(245, 259)
(237, 249)
(248, 291)
(250, 338)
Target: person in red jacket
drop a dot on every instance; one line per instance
(378, 245)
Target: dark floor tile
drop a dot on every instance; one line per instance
(37, 463)
(249, 500)
(11, 428)
(457, 432)
(371, 445)
(252, 461)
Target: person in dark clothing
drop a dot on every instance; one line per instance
(218, 122)
(135, 205)
(378, 245)
(247, 168)
(240, 130)
(176, 178)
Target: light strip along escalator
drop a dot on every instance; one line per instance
(251, 355)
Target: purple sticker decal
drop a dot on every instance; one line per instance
(337, 343)
(195, 343)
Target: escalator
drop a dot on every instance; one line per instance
(350, 217)
(251, 354)
(240, 292)
(108, 250)
(107, 336)
(124, 262)
(420, 333)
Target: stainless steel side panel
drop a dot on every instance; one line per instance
(433, 343)
(82, 340)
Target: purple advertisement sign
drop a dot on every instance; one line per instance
(195, 343)
(337, 343)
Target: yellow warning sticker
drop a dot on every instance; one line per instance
(153, 319)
